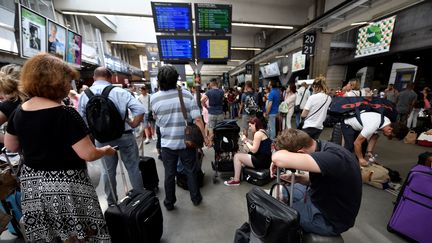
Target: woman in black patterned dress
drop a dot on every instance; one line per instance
(58, 199)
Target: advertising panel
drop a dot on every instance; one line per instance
(74, 49)
(298, 61)
(375, 38)
(57, 40)
(32, 32)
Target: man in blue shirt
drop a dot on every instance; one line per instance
(169, 118)
(123, 101)
(272, 108)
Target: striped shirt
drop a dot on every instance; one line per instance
(166, 106)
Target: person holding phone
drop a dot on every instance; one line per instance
(259, 156)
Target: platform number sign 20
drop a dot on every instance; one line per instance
(308, 43)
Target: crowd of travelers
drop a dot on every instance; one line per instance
(54, 178)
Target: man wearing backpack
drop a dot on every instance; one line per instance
(356, 134)
(248, 106)
(108, 130)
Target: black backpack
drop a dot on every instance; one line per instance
(251, 106)
(345, 107)
(103, 118)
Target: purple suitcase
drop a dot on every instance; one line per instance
(412, 214)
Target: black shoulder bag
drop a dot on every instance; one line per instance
(193, 136)
(297, 107)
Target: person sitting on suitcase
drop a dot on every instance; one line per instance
(355, 134)
(123, 101)
(328, 198)
(169, 118)
(259, 156)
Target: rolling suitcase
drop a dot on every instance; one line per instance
(412, 213)
(149, 174)
(259, 177)
(270, 219)
(138, 217)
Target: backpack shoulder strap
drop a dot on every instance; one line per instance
(107, 90)
(89, 93)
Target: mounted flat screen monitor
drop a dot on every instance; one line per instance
(172, 17)
(375, 38)
(271, 70)
(175, 49)
(213, 49)
(213, 18)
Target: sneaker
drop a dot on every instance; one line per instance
(147, 141)
(154, 138)
(169, 206)
(232, 182)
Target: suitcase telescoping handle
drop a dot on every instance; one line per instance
(293, 171)
(122, 172)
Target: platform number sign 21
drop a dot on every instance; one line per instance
(309, 43)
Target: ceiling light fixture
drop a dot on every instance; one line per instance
(269, 26)
(246, 48)
(127, 43)
(417, 58)
(359, 23)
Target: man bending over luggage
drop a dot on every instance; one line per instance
(356, 134)
(328, 198)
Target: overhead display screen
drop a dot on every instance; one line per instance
(175, 49)
(270, 70)
(213, 18)
(375, 38)
(213, 49)
(172, 17)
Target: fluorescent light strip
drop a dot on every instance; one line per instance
(127, 43)
(359, 23)
(269, 26)
(246, 48)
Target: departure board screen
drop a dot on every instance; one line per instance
(172, 17)
(175, 49)
(213, 18)
(213, 49)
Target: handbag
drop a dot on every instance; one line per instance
(283, 107)
(297, 107)
(270, 219)
(150, 113)
(8, 181)
(193, 137)
(375, 175)
(411, 137)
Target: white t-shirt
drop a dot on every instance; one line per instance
(371, 122)
(299, 94)
(314, 103)
(144, 100)
(355, 93)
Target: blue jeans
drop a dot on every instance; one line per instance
(311, 218)
(129, 155)
(188, 158)
(272, 126)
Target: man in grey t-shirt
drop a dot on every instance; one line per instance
(405, 102)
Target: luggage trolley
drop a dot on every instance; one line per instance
(225, 140)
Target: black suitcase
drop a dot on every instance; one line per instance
(147, 166)
(138, 218)
(270, 219)
(259, 177)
